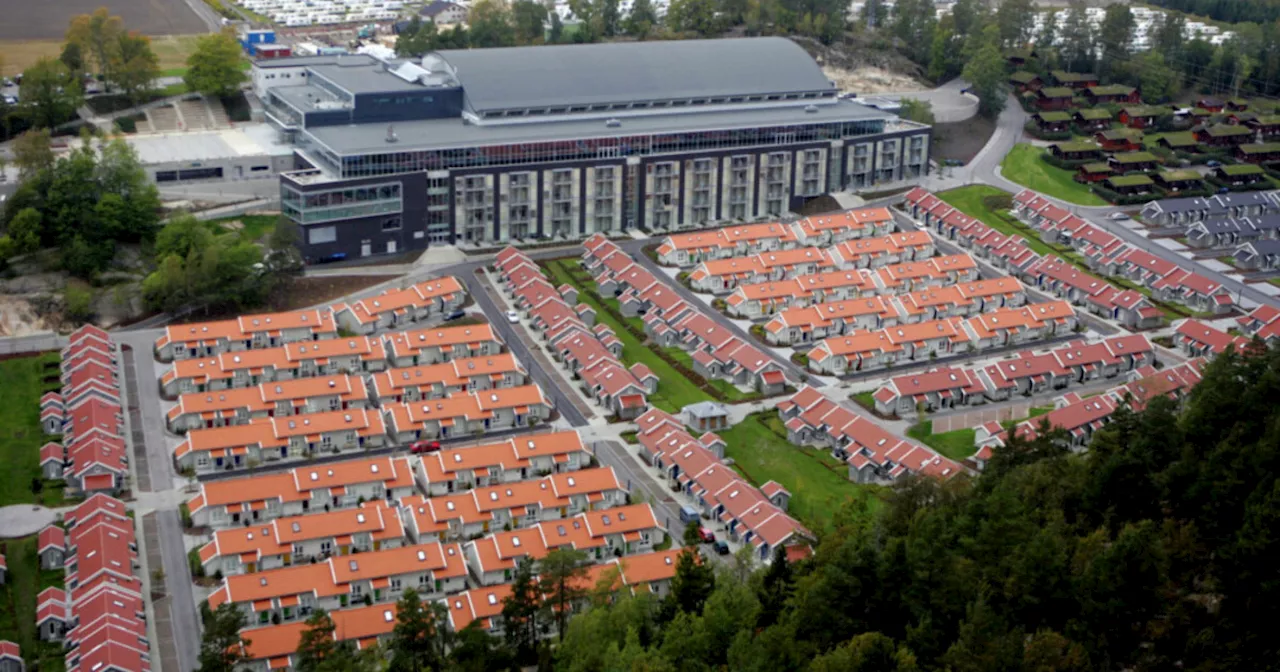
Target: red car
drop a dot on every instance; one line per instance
(706, 535)
(424, 447)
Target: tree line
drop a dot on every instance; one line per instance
(497, 23)
(1152, 551)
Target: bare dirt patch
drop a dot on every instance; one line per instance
(19, 54)
(961, 140)
(870, 80)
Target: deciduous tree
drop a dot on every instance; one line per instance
(561, 580)
(49, 93)
(134, 65)
(421, 638)
(214, 68)
(987, 76)
(96, 34)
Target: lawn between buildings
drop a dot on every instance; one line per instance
(24, 381)
(956, 444)
(674, 390)
(819, 483)
(24, 582)
(1024, 166)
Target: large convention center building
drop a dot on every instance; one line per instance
(487, 146)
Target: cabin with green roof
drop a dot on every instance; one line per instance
(1130, 185)
(1092, 119)
(1095, 171)
(1023, 81)
(1052, 121)
(1224, 135)
(1260, 152)
(1119, 140)
(1112, 94)
(1074, 80)
(1142, 116)
(1076, 151)
(1240, 175)
(1133, 162)
(1184, 141)
(1179, 180)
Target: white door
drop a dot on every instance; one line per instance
(391, 247)
(366, 248)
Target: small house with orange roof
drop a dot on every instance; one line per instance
(686, 249)
(414, 383)
(513, 459)
(512, 505)
(417, 347)
(482, 606)
(203, 410)
(244, 368)
(247, 332)
(723, 275)
(304, 489)
(813, 323)
(466, 414)
(400, 307)
(855, 351)
(836, 227)
(935, 389)
(271, 439)
(301, 539)
(1012, 326)
(51, 547)
(883, 250)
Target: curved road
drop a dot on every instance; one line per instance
(985, 168)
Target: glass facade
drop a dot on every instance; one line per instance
(345, 203)
(365, 165)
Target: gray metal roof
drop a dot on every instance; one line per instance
(546, 76)
(453, 133)
(302, 61)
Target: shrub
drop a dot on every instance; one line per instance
(79, 301)
(126, 125)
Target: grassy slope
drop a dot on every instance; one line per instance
(674, 390)
(1023, 166)
(818, 483)
(18, 603)
(969, 201)
(20, 432)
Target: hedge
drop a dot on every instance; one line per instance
(1260, 185)
(1118, 199)
(1064, 164)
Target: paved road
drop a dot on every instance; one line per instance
(177, 579)
(515, 341)
(636, 479)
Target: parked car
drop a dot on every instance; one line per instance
(1213, 163)
(1117, 216)
(513, 317)
(706, 535)
(721, 547)
(420, 447)
(455, 315)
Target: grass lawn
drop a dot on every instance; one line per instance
(969, 201)
(26, 379)
(865, 399)
(1024, 166)
(1037, 411)
(956, 444)
(819, 484)
(18, 603)
(253, 228)
(674, 390)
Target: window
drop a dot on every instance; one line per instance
(259, 169)
(166, 176)
(200, 174)
(322, 234)
(391, 224)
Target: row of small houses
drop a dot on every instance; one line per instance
(343, 484)
(1011, 254)
(393, 308)
(873, 455)
(755, 517)
(1102, 252)
(688, 249)
(99, 615)
(867, 350)
(88, 415)
(1079, 417)
(1111, 257)
(589, 351)
(670, 321)
(724, 275)
(1027, 372)
(274, 647)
